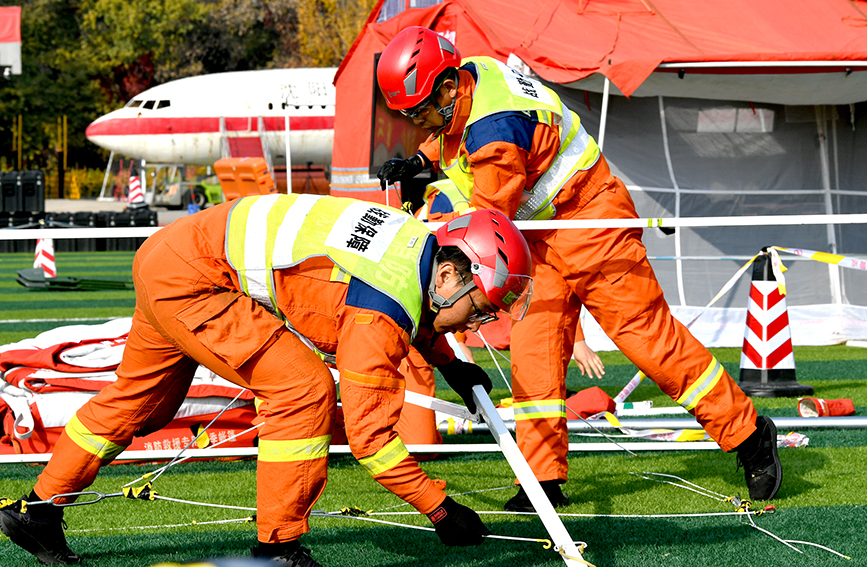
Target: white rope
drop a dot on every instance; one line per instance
(198, 453)
(602, 433)
(206, 504)
(743, 509)
(366, 518)
(577, 515)
(199, 434)
(193, 523)
(820, 547)
(491, 351)
(687, 485)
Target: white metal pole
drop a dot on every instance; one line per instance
(833, 270)
(102, 196)
(288, 154)
(563, 543)
(681, 295)
(603, 118)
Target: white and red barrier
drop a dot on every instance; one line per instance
(44, 257)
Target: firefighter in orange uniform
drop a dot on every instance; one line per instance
(262, 291)
(509, 143)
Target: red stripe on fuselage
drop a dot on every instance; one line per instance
(203, 125)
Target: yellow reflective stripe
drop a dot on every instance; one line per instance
(237, 243)
(275, 216)
(386, 458)
(93, 444)
(540, 409)
(284, 451)
(702, 386)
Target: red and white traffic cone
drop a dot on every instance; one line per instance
(767, 358)
(135, 193)
(44, 257)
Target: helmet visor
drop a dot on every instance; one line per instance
(510, 292)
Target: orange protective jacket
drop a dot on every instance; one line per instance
(190, 311)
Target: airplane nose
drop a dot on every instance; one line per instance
(96, 128)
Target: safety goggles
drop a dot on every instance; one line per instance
(480, 316)
(417, 110)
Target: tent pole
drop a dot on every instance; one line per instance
(603, 119)
(833, 269)
(677, 235)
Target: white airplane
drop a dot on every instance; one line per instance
(198, 120)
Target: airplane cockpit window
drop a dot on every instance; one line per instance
(149, 104)
(135, 103)
(164, 103)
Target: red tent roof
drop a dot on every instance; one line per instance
(776, 51)
(626, 40)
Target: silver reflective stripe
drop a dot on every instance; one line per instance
(259, 276)
(550, 183)
(255, 260)
(539, 410)
(702, 386)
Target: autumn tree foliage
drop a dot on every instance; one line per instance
(83, 58)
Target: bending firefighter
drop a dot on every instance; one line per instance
(510, 144)
(260, 291)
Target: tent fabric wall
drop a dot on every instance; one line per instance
(797, 145)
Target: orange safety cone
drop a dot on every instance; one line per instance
(767, 358)
(44, 257)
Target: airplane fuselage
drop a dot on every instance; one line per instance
(191, 120)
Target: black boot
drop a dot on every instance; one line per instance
(290, 554)
(39, 530)
(521, 502)
(758, 455)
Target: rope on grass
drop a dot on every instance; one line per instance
(246, 520)
(359, 514)
(744, 508)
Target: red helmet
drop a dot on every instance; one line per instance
(499, 257)
(410, 64)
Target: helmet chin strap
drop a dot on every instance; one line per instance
(438, 302)
(446, 112)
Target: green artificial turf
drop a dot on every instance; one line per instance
(823, 498)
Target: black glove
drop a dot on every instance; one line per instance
(462, 376)
(397, 169)
(457, 524)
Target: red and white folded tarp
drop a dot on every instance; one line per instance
(46, 379)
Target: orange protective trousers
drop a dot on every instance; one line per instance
(240, 341)
(607, 270)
